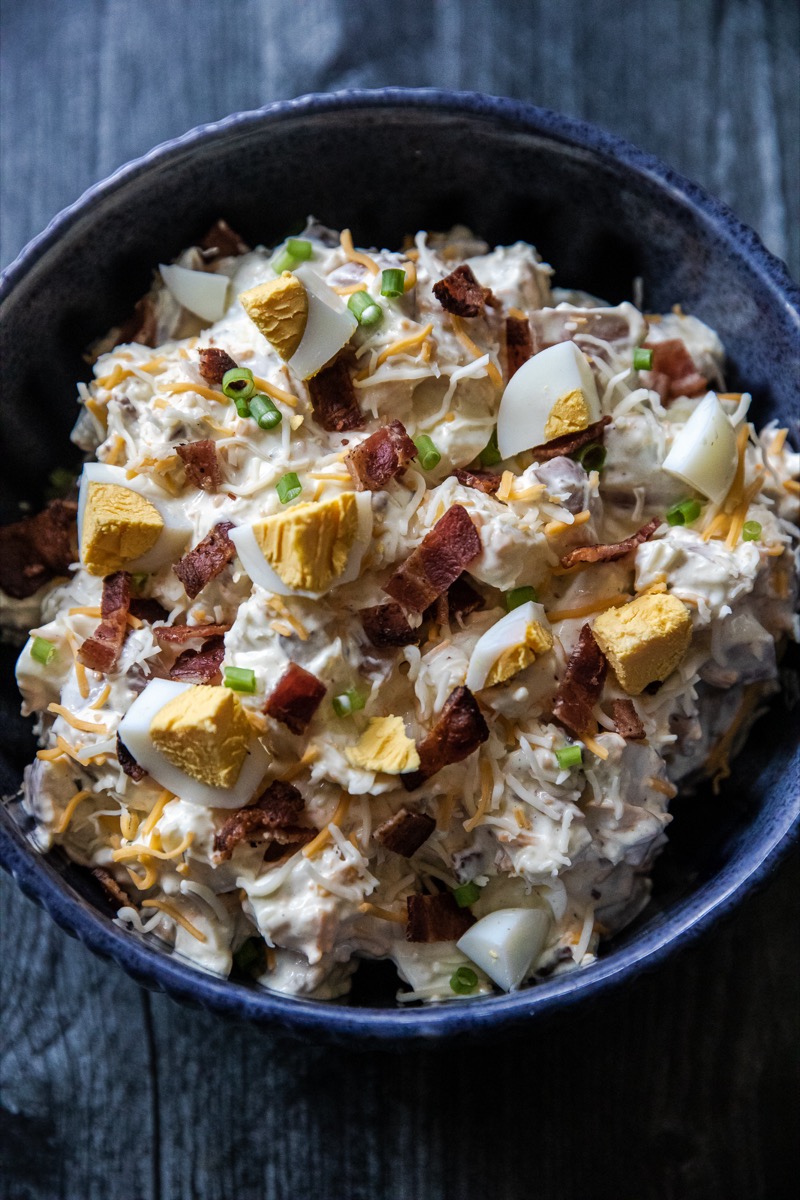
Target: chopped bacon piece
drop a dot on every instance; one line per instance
(200, 666)
(463, 599)
(334, 399)
(187, 633)
(437, 562)
(612, 550)
(457, 734)
(384, 454)
(483, 481)
(295, 699)
(36, 549)
(110, 886)
(627, 721)
(387, 625)
(461, 294)
(582, 685)
(674, 372)
(201, 463)
(222, 242)
(436, 918)
(147, 609)
(568, 443)
(519, 343)
(100, 652)
(405, 832)
(128, 762)
(214, 363)
(273, 818)
(207, 560)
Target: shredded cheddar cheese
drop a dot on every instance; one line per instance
(475, 351)
(356, 256)
(586, 610)
(76, 722)
(171, 911)
(312, 848)
(69, 811)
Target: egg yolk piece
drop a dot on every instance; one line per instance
(279, 309)
(119, 526)
(205, 733)
(384, 746)
(538, 641)
(308, 546)
(569, 414)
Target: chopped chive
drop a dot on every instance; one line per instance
(242, 406)
(295, 251)
(43, 651)
(490, 455)
(348, 702)
(684, 512)
(288, 487)
(751, 531)
(264, 412)
(393, 282)
(237, 384)
(250, 956)
(240, 679)
(592, 457)
(467, 894)
(569, 756)
(642, 359)
(518, 596)
(464, 981)
(429, 457)
(364, 308)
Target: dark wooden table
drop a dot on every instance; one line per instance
(683, 1086)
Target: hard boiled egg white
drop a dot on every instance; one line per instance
(171, 540)
(329, 325)
(551, 394)
(703, 453)
(204, 293)
(507, 943)
(505, 634)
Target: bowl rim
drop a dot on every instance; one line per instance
(676, 929)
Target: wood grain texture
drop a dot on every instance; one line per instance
(683, 1086)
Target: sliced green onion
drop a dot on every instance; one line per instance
(264, 412)
(43, 651)
(250, 955)
(238, 384)
(393, 282)
(429, 457)
(364, 308)
(138, 580)
(490, 455)
(569, 756)
(642, 359)
(684, 512)
(295, 251)
(348, 702)
(240, 679)
(592, 457)
(242, 406)
(464, 981)
(467, 894)
(751, 531)
(520, 595)
(288, 487)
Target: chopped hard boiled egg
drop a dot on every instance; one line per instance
(124, 525)
(552, 394)
(384, 746)
(703, 453)
(196, 741)
(279, 308)
(329, 326)
(509, 646)
(310, 547)
(645, 640)
(204, 293)
(506, 943)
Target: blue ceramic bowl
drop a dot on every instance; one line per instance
(386, 163)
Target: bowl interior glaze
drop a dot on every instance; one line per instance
(386, 164)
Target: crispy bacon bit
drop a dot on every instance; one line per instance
(519, 343)
(457, 734)
(147, 609)
(627, 721)
(273, 818)
(128, 762)
(214, 363)
(222, 242)
(141, 326)
(568, 443)
(405, 832)
(387, 625)
(582, 685)
(207, 560)
(463, 599)
(295, 699)
(674, 371)
(334, 399)
(436, 918)
(201, 463)
(110, 886)
(384, 454)
(100, 652)
(200, 666)
(483, 481)
(613, 550)
(187, 633)
(437, 562)
(36, 549)
(461, 294)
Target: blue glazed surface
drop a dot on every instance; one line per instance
(602, 211)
